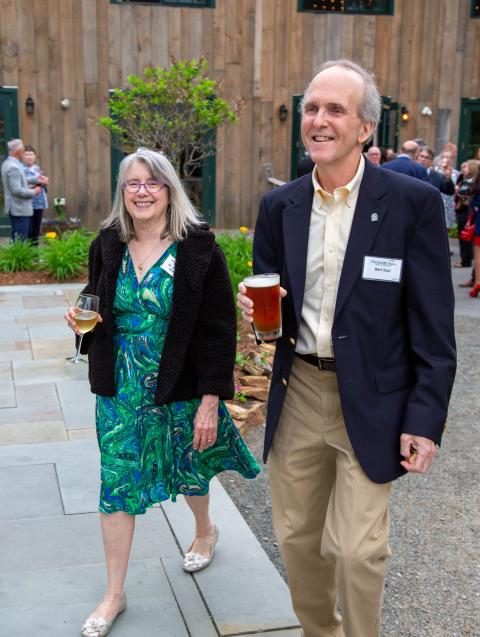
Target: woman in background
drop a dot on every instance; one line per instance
(35, 175)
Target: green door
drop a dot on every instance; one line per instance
(298, 149)
(8, 130)
(469, 138)
(389, 125)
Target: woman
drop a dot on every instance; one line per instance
(159, 361)
(468, 171)
(475, 208)
(34, 175)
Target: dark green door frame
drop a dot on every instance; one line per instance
(469, 135)
(9, 129)
(389, 126)
(298, 150)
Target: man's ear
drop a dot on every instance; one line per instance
(365, 131)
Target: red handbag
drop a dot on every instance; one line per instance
(468, 231)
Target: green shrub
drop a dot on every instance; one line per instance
(19, 255)
(238, 253)
(66, 256)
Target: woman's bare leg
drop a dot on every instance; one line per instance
(203, 525)
(476, 263)
(117, 532)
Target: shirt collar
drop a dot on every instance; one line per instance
(346, 190)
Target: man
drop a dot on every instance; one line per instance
(441, 179)
(364, 369)
(16, 191)
(374, 154)
(406, 163)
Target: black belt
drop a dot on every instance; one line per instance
(325, 364)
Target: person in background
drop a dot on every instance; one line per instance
(374, 154)
(475, 208)
(463, 193)
(160, 362)
(406, 163)
(17, 193)
(35, 175)
(388, 154)
(440, 178)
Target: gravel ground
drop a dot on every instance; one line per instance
(433, 580)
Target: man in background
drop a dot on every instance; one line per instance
(406, 163)
(374, 154)
(16, 191)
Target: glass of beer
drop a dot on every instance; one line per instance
(264, 291)
(86, 317)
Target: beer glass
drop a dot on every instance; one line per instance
(264, 291)
(86, 317)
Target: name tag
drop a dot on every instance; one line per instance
(169, 265)
(382, 269)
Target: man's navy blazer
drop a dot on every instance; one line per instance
(393, 343)
(407, 166)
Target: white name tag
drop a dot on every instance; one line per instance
(169, 265)
(382, 269)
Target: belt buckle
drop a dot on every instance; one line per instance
(326, 365)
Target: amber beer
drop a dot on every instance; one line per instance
(264, 291)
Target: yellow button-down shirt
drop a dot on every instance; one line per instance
(330, 224)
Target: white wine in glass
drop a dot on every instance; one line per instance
(86, 317)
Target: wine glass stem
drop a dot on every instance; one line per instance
(77, 355)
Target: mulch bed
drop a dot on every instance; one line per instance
(32, 278)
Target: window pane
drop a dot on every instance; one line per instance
(475, 9)
(185, 3)
(349, 6)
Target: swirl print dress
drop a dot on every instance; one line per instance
(146, 449)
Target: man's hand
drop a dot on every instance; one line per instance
(418, 453)
(246, 305)
(37, 190)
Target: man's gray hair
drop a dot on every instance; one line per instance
(370, 109)
(181, 214)
(14, 144)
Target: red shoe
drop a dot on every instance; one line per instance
(473, 293)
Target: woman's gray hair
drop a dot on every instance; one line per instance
(180, 215)
(370, 109)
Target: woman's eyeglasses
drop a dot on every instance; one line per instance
(151, 185)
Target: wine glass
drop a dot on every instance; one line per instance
(86, 317)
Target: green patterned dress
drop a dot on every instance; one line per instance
(146, 449)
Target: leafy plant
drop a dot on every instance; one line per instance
(19, 255)
(238, 253)
(240, 396)
(66, 256)
(173, 110)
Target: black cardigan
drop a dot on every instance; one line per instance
(199, 350)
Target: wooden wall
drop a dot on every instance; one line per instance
(262, 51)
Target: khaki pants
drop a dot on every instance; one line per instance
(331, 521)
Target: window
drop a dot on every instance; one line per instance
(169, 3)
(475, 8)
(382, 7)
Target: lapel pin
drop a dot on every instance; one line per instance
(374, 216)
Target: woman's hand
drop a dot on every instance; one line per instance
(205, 423)
(69, 316)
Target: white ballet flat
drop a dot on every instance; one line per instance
(194, 561)
(98, 626)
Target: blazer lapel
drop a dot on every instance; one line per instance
(296, 225)
(367, 221)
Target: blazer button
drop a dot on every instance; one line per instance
(285, 381)
(292, 341)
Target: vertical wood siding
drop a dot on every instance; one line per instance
(261, 52)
